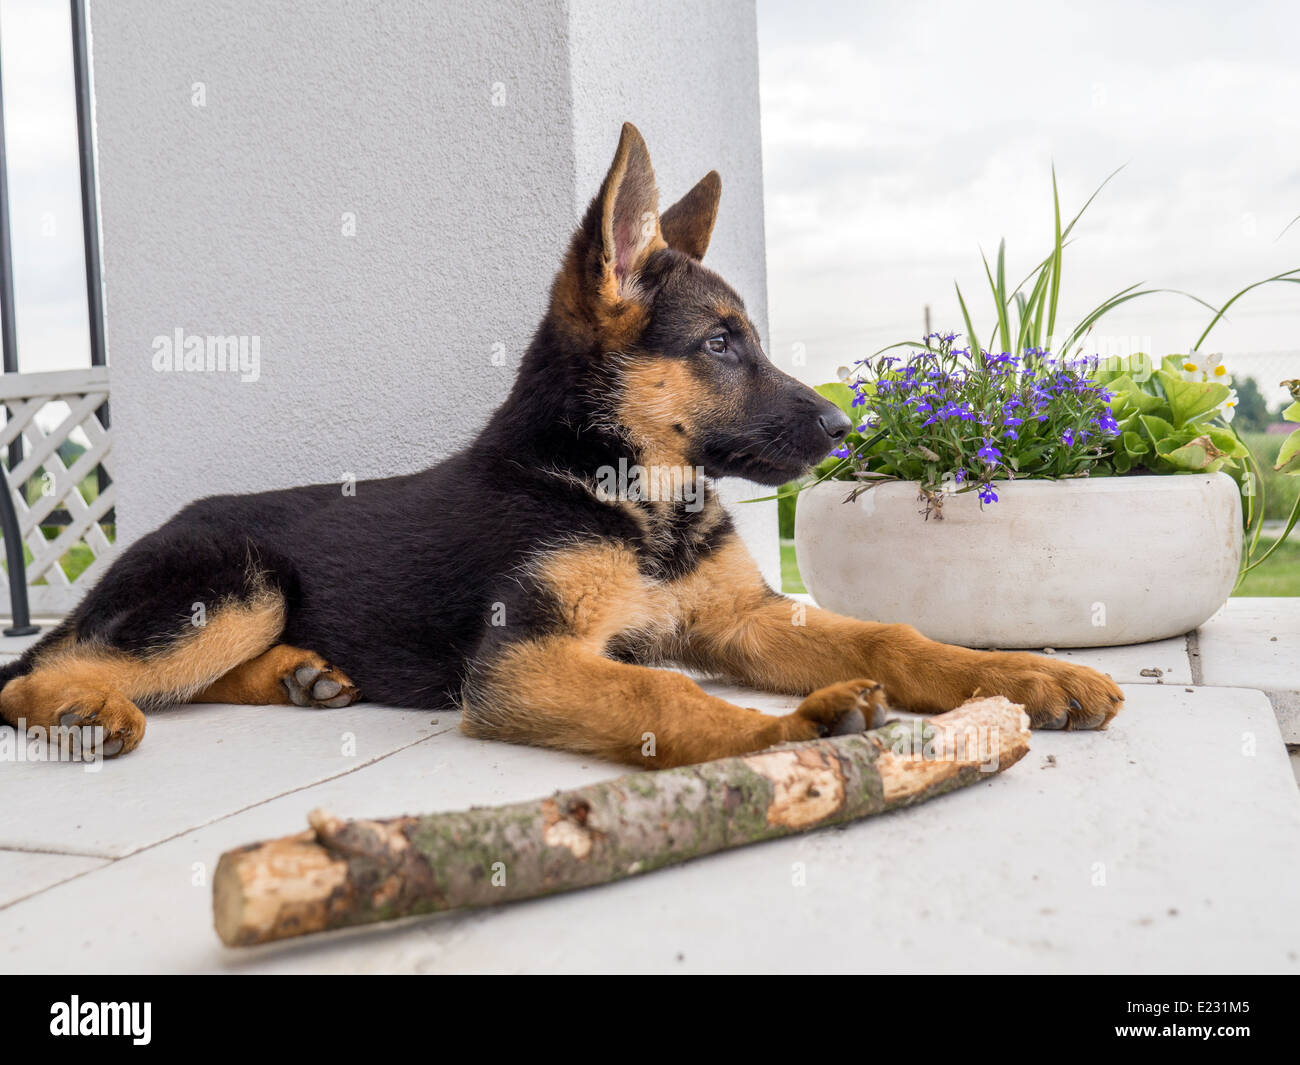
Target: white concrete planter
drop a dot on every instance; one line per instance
(1080, 563)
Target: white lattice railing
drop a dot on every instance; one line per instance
(47, 410)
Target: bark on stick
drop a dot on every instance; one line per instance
(342, 873)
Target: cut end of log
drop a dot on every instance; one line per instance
(986, 735)
(275, 889)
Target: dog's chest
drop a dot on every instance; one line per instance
(635, 593)
(674, 539)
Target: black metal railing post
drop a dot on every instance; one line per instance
(89, 208)
(22, 622)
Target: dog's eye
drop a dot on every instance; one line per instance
(717, 344)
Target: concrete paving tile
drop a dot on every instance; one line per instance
(1253, 643)
(197, 763)
(1169, 843)
(24, 873)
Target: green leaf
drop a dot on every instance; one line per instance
(1065, 233)
(1036, 333)
(1174, 441)
(840, 394)
(1198, 454)
(1285, 277)
(1289, 453)
(1004, 321)
(1292, 413)
(1106, 306)
(1188, 457)
(1189, 400)
(1134, 444)
(1031, 311)
(1054, 267)
(1134, 396)
(1228, 442)
(971, 339)
(1157, 428)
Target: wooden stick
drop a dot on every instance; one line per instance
(353, 872)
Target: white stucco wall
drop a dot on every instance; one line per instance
(465, 140)
(688, 80)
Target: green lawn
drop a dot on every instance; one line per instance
(1280, 575)
(74, 561)
(790, 580)
(1280, 489)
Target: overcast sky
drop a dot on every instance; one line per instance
(900, 138)
(44, 185)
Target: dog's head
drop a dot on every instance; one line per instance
(685, 377)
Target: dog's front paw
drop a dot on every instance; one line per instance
(1055, 694)
(839, 709)
(117, 724)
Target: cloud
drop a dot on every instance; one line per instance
(900, 139)
(44, 186)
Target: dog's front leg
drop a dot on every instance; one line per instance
(742, 629)
(559, 692)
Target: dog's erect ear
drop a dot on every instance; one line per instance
(629, 213)
(688, 224)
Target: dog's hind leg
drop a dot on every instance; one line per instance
(284, 674)
(74, 683)
(178, 610)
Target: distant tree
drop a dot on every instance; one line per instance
(1252, 409)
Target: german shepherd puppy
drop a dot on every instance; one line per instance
(510, 580)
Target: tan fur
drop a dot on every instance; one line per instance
(90, 684)
(261, 681)
(561, 692)
(656, 395)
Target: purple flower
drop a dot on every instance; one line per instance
(987, 495)
(841, 452)
(1107, 424)
(988, 452)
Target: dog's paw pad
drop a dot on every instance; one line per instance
(853, 721)
(842, 709)
(320, 686)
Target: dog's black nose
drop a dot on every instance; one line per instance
(835, 424)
